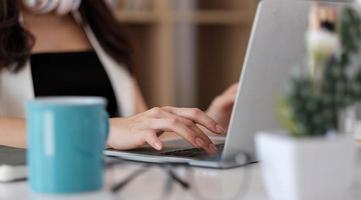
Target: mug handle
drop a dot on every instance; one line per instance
(106, 122)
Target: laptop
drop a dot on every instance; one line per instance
(276, 47)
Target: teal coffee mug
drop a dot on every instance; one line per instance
(66, 139)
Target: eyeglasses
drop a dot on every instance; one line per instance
(164, 180)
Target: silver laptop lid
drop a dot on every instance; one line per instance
(276, 46)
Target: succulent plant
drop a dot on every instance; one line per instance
(311, 108)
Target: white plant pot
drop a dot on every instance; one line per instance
(305, 169)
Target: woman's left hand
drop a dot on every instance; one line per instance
(221, 108)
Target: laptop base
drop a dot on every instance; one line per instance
(169, 155)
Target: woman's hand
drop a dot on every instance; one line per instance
(221, 108)
(146, 127)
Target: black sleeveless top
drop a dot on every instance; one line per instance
(72, 74)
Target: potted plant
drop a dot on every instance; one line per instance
(312, 159)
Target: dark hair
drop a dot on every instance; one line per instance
(16, 42)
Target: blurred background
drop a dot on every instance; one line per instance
(189, 51)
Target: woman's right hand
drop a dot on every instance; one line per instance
(146, 127)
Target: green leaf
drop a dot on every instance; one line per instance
(286, 118)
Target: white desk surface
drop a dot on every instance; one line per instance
(252, 190)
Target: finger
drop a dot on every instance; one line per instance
(228, 100)
(208, 146)
(232, 89)
(156, 112)
(202, 140)
(225, 101)
(198, 117)
(152, 139)
(197, 139)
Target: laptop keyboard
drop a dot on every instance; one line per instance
(190, 153)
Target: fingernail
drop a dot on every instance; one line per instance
(212, 148)
(199, 142)
(220, 129)
(158, 145)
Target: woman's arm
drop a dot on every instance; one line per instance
(12, 132)
(127, 133)
(135, 131)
